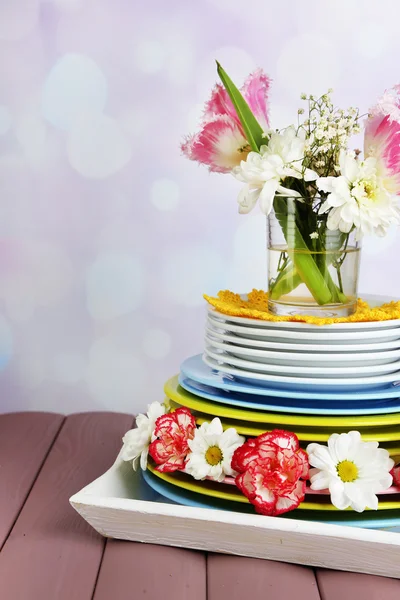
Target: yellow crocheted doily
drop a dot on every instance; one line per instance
(256, 307)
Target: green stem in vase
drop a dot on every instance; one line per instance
(300, 256)
(339, 276)
(287, 281)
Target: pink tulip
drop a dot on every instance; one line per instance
(382, 138)
(221, 143)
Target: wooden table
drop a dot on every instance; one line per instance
(48, 552)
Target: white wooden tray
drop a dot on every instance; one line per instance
(120, 505)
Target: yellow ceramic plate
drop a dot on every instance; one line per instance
(175, 392)
(218, 490)
(368, 434)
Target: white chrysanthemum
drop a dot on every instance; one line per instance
(212, 449)
(137, 441)
(354, 471)
(358, 198)
(263, 172)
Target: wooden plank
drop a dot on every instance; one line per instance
(51, 552)
(235, 578)
(25, 439)
(132, 570)
(334, 585)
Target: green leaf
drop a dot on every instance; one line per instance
(251, 127)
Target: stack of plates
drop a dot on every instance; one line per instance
(356, 354)
(312, 380)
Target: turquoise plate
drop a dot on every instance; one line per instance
(180, 496)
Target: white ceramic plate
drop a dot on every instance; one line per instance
(302, 370)
(274, 357)
(373, 300)
(297, 383)
(218, 334)
(316, 337)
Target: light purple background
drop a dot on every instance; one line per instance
(108, 236)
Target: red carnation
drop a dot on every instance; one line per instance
(171, 434)
(396, 475)
(272, 469)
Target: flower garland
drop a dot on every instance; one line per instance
(270, 470)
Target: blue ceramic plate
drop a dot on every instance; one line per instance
(194, 368)
(288, 405)
(181, 496)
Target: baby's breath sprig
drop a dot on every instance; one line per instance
(327, 130)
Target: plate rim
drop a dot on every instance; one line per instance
(250, 430)
(305, 356)
(186, 383)
(193, 486)
(171, 389)
(307, 335)
(277, 368)
(383, 523)
(328, 348)
(302, 381)
(233, 383)
(370, 298)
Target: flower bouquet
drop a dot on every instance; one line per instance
(320, 196)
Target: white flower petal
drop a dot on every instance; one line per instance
(217, 473)
(325, 207)
(143, 458)
(385, 481)
(371, 474)
(349, 166)
(154, 411)
(321, 458)
(310, 175)
(357, 496)
(325, 184)
(136, 441)
(247, 199)
(362, 196)
(283, 191)
(338, 496)
(334, 219)
(206, 436)
(319, 480)
(343, 445)
(214, 428)
(264, 172)
(267, 196)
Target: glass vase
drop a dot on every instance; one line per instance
(312, 270)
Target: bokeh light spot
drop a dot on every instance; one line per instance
(5, 120)
(74, 85)
(114, 286)
(149, 56)
(97, 147)
(164, 194)
(156, 343)
(191, 271)
(115, 377)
